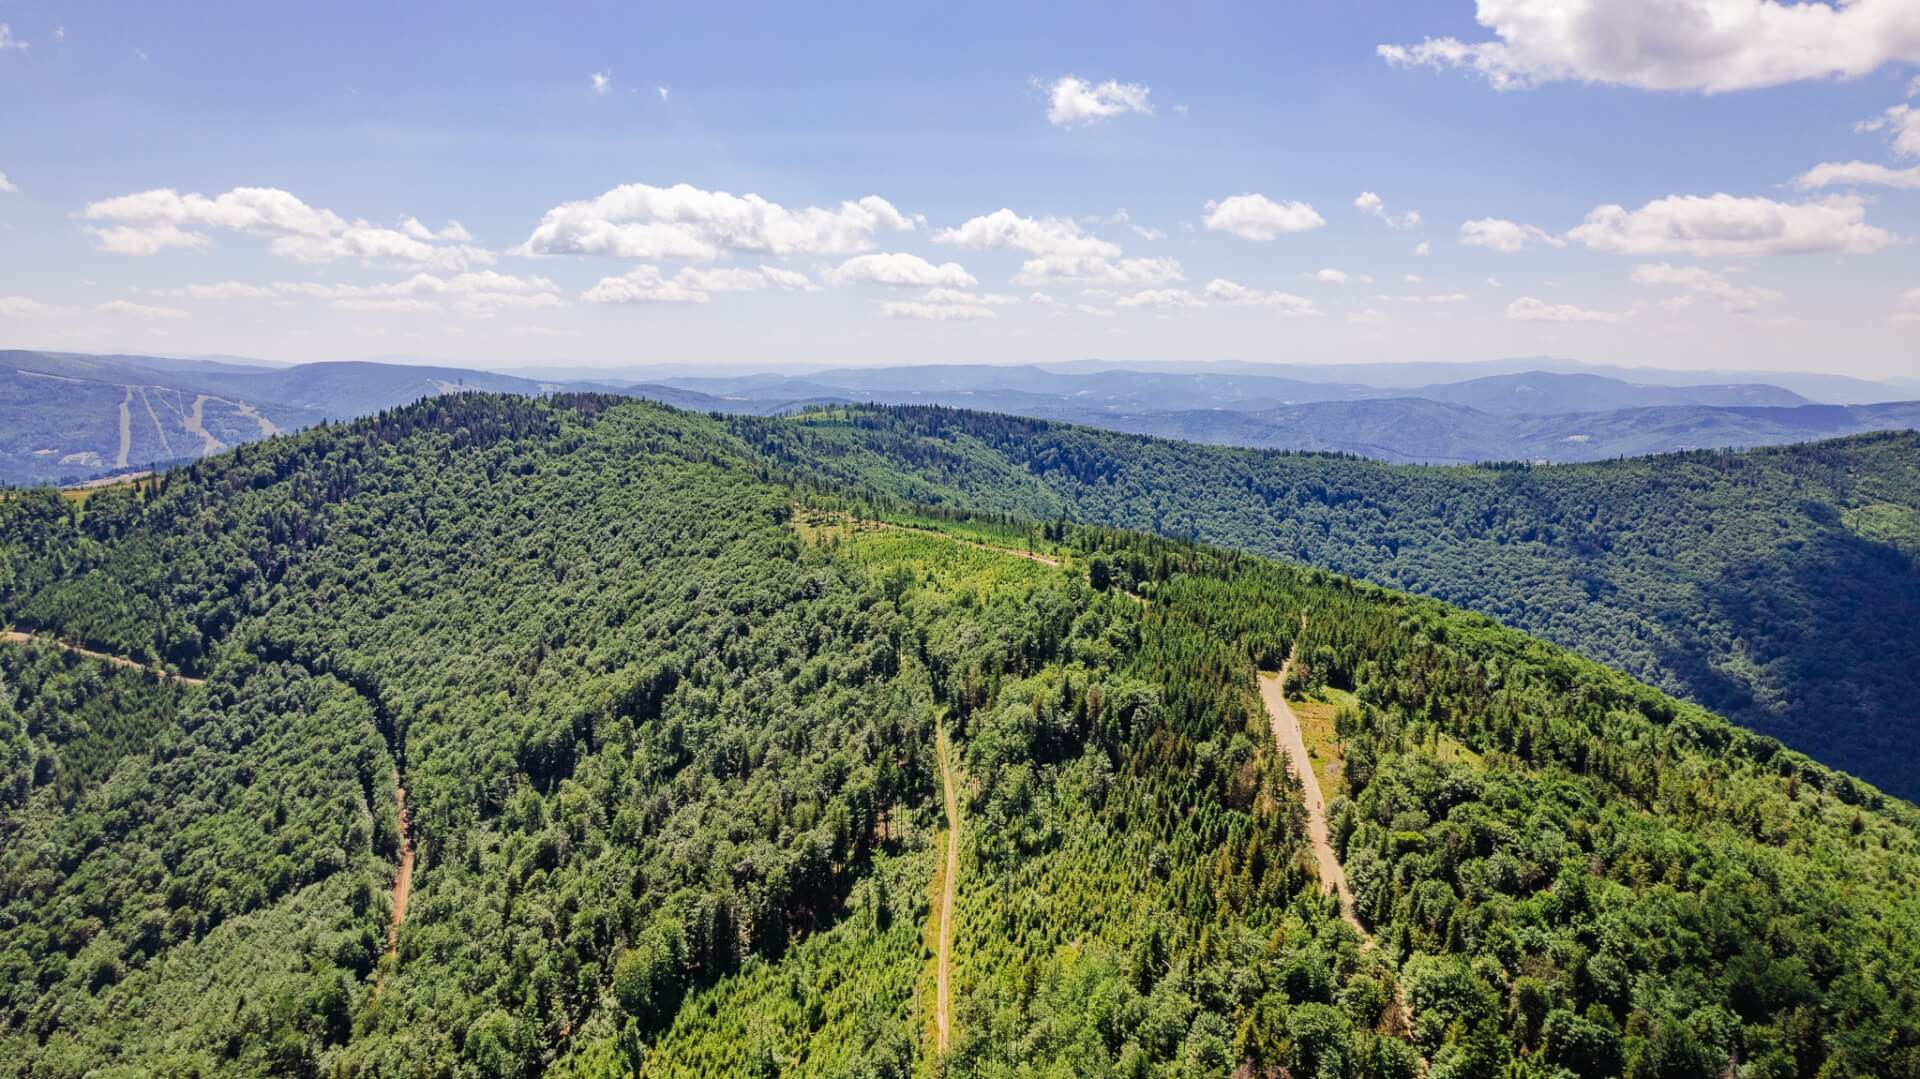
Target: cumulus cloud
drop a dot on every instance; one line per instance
(1741, 299)
(1072, 100)
(7, 185)
(954, 295)
(899, 269)
(602, 82)
(683, 221)
(1257, 217)
(1505, 236)
(1857, 174)
(1708, 45)
(228, 290)
(1528, 309)
(1331, 276)
(1036, 236)
(138, 310)
(479, 293)
(1909, 310)
(1094, 269)
(643, 284)
(1432, 298)
(1423, 248)
(1161, 298)
(936, 312)
(8, 41)
(148, 222)
(1374, 206)
(1233, 293)
(23, 307)
(1722, 225)
(1902, 126)
(647, 284)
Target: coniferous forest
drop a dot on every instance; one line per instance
(1777, 587)
(650, 720)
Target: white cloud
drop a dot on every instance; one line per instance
(1435, 298)
(1367, 316)
(22, 307)
(683, 221)
(1414, 279)
(138, 310)
(1073, 100)
(1041, 298)
(790, 280)
(935, 312)
(1709, 45)
(1504, 236)
(1238, 295)
(7, 185)
(1528, 309)
(148, 222)
(1494, 282)
(395, 306)
(899, 269)
(643, 284)
(1093, 268)
(228, 290)
(662, 91)
(1902, 125)
(1257, 217)
(1161, 298)
(646, 284)
(722, 279)
(1148, 234)
(1909, 301)
(602, 82)
(1373, 205)
(954, 295)
(1037, 236)
(1331, 276)
(1722, 225)
(1857, 174)
(8, 41)
(1096, 312)
(1738, 298)
(1422, 249)
(479, 294)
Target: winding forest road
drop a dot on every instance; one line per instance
(949, 889)
(1286, 734)
(12, 636)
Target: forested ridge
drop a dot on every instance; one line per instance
(1778, 587)
(665, 712)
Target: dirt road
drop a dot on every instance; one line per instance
(943, 962)
(16, 637)
(1286, 734)
(402, 880)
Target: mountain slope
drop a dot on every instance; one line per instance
(1778, 587)
(667, 728)
(1546, 393)
(69, 417)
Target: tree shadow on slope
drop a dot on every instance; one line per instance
(1832, 641)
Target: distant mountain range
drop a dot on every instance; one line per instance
(66, 417)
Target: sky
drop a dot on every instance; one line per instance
(1676, 183)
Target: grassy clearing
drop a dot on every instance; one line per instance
(1324, 747)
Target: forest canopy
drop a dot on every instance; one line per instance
(665, 714)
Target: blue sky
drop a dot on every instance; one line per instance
(311, 137)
